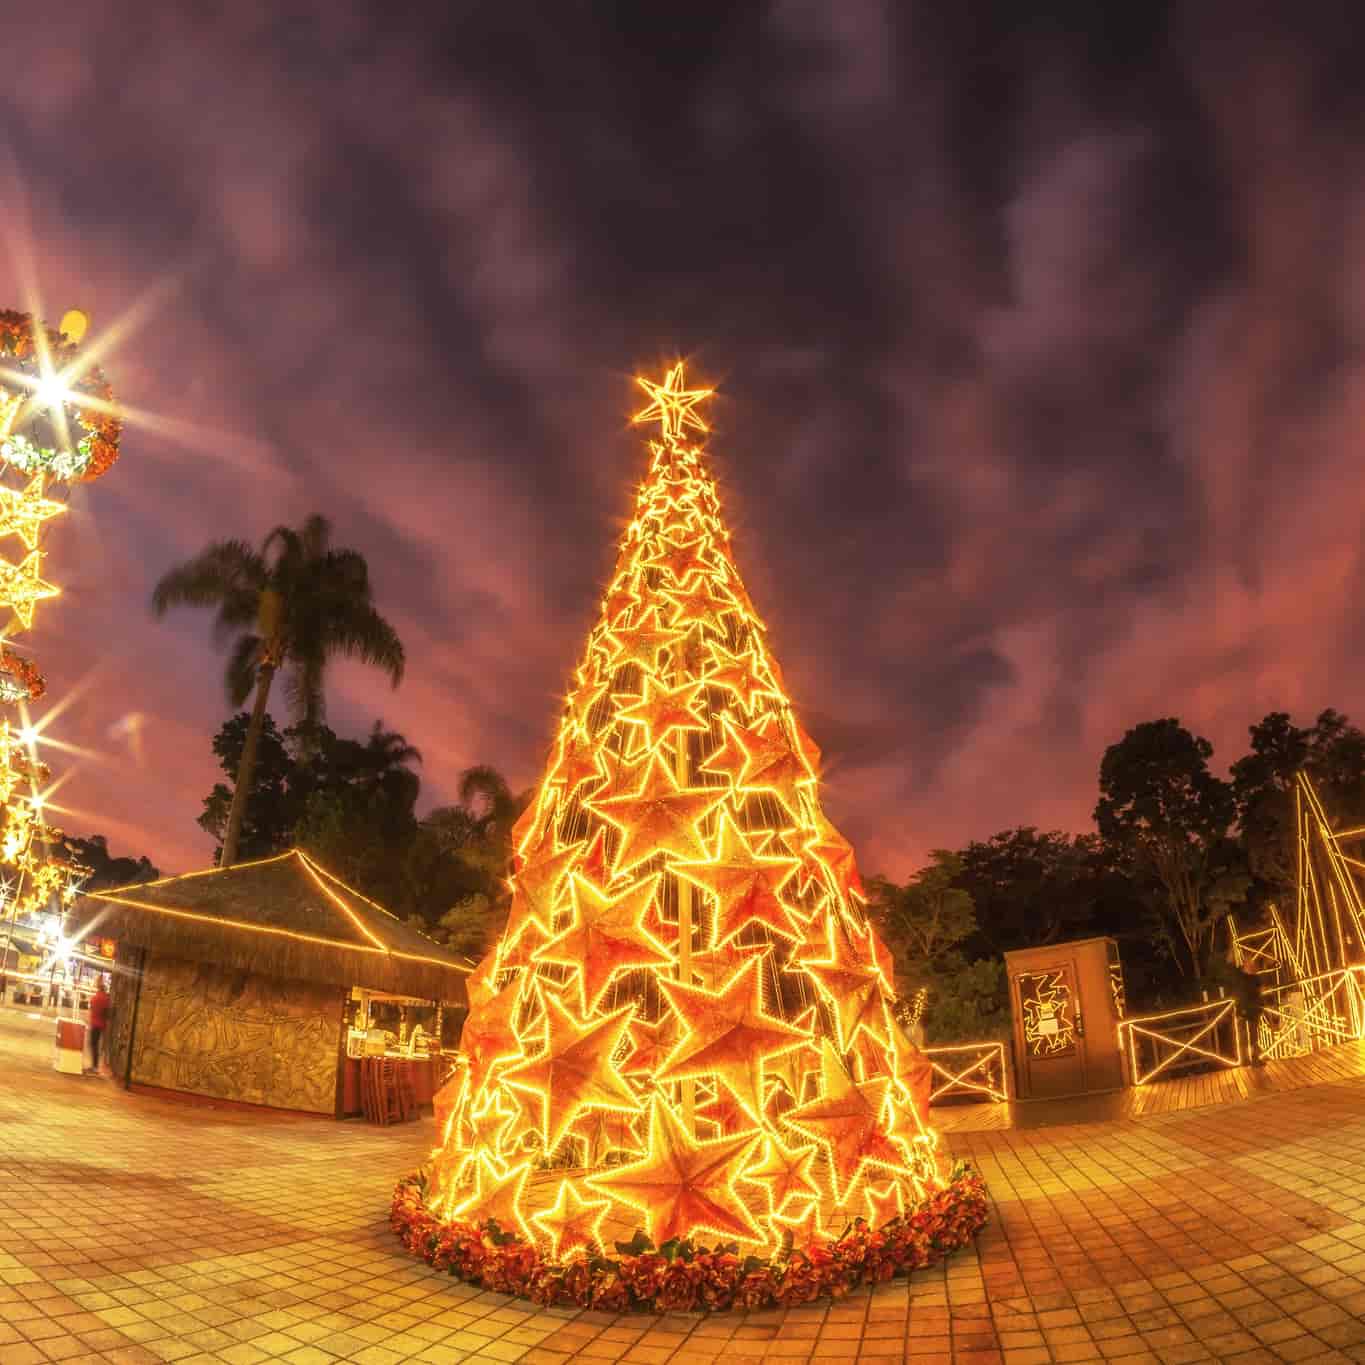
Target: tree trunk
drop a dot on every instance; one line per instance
(246, 769)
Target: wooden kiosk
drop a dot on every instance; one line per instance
(1067, 1000)
(267, 983)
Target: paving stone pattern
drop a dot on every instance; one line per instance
(136, 1229)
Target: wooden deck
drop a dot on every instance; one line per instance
(1189, 1091)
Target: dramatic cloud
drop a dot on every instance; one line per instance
(1039, 345)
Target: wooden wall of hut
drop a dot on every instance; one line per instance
(232, 1035)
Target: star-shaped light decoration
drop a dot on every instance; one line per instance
(659, 817)
(607, 936)
(488, 1038)
(786, 1173)
(850, 1121)
(581, 703)
(789, 1071)
(884, 1202)
(806, 1226)
(761, 758)
(480, 984)
(575, 1070)
(739, 674)
(572, 1221)
(535, 887)
(700, 605)
(641, 642)
(489, 1122)
(868, 945)
(672, 404)
(746, 886)
(715, 966)
(607, 1130)
(683, 561)
(835, 854)
(621, 599)
(728, 1034)
(23, 513)
(533, 826)
(684, 1186)
(662, 711)
(519, 948)
(21, 588)
(595, 866)
(726, 1115)
(852, 989)
(497, 1197)
(650, 1044)
(576, 763)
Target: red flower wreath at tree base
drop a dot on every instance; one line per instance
(682, 1277)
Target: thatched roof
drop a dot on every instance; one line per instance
(284, 917)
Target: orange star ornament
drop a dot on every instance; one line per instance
(683, 561)
(607, 936)
(684, 1186)
(849, 1121)
(663, 711)
(785, 1173)
(659, 817)
(738, 674)
(640, 643)
(835, 854)
(575, 1070)
(572, 1221)
(672, 404)
(852, 989)
(745, 885)
(497, 1196)
(701, 605)
(535, 887)
(728, 1034)
(760, 758)
(488, 1037)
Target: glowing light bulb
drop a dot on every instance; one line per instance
(50, 392)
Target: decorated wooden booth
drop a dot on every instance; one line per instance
(1067, 1000)
(269, 983)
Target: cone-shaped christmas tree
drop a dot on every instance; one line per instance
(686, 1030)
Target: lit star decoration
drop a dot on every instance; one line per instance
(23, 512)
(574, 1072)
(685, 1185)
(688, 998)
(22, 588)
(572, 1221)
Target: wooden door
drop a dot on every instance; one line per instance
(1047, 1004)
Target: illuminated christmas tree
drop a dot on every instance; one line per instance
(685, 1034)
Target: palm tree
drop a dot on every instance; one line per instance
(385, 757)
(293, 606)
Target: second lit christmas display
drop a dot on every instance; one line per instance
(684, 1042)
(58, 425)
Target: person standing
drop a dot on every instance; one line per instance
(99, 1021)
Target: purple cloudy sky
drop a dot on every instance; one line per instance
(1039, 343)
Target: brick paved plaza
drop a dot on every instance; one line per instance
(141, 1230)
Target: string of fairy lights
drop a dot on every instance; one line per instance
(687, 1026)
(58, 426)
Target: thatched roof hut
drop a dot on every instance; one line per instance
(283, 917)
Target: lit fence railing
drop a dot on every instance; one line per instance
(975, 1070)
(1158, 1044)
(1319, 1011)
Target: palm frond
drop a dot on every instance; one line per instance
(220, 575)
(362, 633)
(240, 674)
